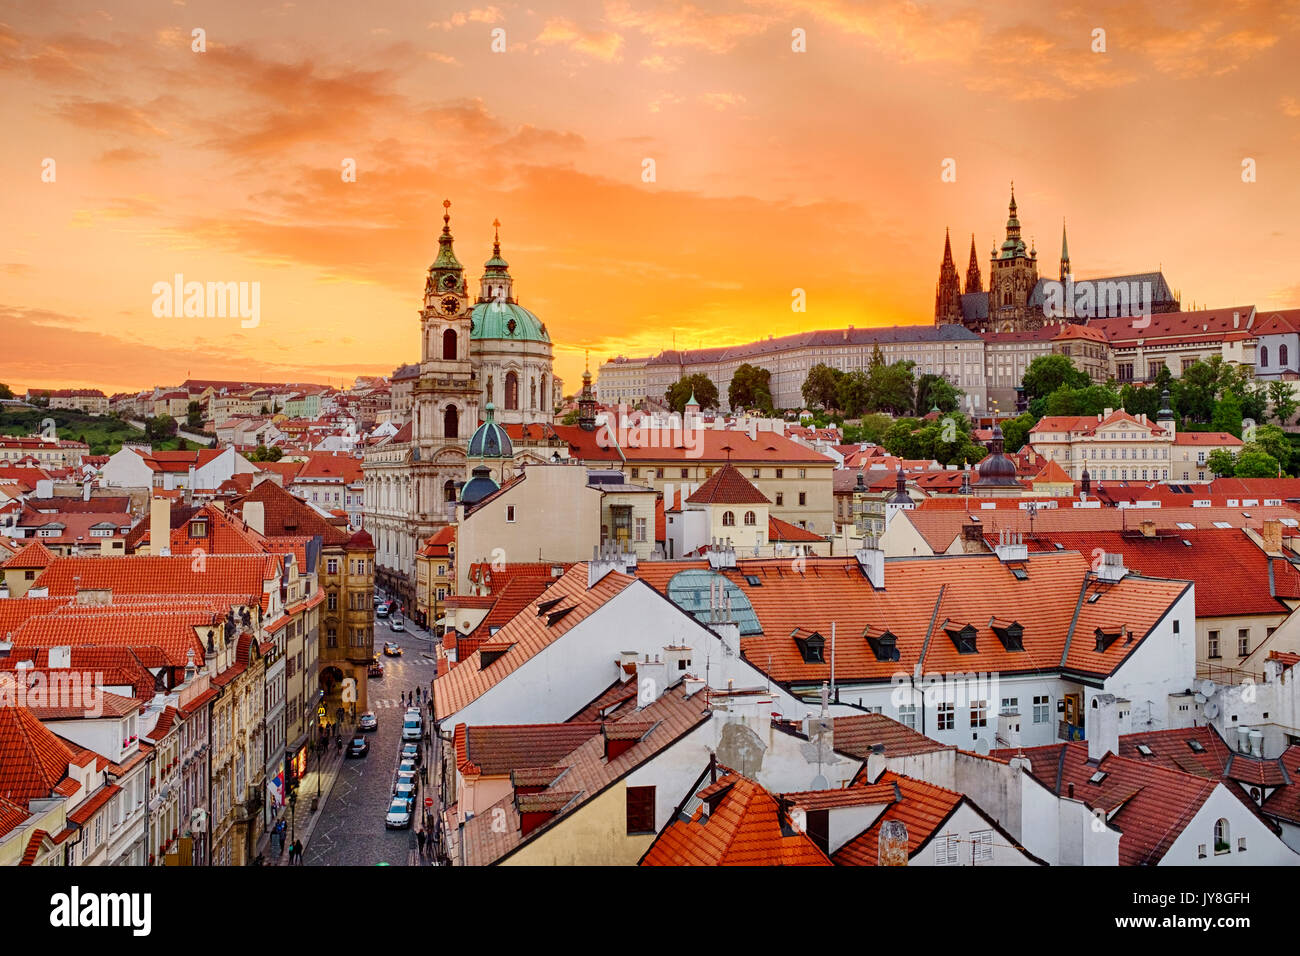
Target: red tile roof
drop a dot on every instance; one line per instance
(922, 807)
(30, 557)
(11, 815)
(527, 635)
(920, 594)
(32, 759)
(746, 827)
(1148, 803)
(778, 530)
(497, 749)
(727, 486)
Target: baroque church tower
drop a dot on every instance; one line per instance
(947, 296)
(446, 397)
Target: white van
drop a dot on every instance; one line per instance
(411, 728)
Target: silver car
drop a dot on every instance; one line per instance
(399, 814)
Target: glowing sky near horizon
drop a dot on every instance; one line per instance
(775, 170)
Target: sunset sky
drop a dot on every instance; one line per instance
(775, 169)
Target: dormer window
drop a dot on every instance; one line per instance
(1010, 633)
(811, 645)
(962, 635)
(883, 643)
(199, 529)
(1105, 639)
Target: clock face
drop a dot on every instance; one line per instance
(450, 304)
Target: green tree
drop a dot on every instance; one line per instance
(872, 428)
(1273, 441)
(822, 386)
(161, 428)
(1091, 400)
(262, 453)
(699, 385)
(892, 387)
(1195, 392)
(570, 417)
(853, 395)
(1283, 401)
(194, 416)
(935, 391)
(1047, 373)
(1137, 400)
(1227, 414)
(1254, 462)
(751, 387)
(1222, 462)
(6, 392)
(1015, 431)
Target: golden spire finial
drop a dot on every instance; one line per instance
(496, 237)
(446, 216)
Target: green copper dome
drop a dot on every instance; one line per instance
(505, 320)
(490, 439)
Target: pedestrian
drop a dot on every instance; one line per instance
(419, 837)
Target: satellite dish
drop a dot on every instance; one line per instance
(1207, 688)
(982, 747)
(819, 783)
(1211, 710)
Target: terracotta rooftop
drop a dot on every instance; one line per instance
(728, 486)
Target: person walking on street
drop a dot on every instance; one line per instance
(419, 837)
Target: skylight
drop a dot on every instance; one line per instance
(1098, 777)
(1222, 524)
(1145, 751)
(1196, 746)
(1186, 526)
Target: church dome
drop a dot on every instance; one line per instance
(997, 468)
(490, 439)
(506, 321)
(478, 487)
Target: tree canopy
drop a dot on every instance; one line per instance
(699, 384)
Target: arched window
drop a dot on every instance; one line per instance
(1222, 836)
(750, 519)
(451, 423)
(1281, 355)
(449, 490)
(512, 391)
(545, 395)
(728, 518)
(532, 393)
(449, 344)
(1263, 355)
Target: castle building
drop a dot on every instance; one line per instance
(1019, 299)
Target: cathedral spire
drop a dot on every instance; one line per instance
(1065, 252)
(973, 281)
(947, 297)
(498, 286)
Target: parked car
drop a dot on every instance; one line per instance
(392, 649)
(376, 669)
(405, 790)
(399, 814)
(405, 776)
(359, 747)
(406, 766)
(397, 624)
(381, 610)
(411, 729)
(412, 752)
(368, 721)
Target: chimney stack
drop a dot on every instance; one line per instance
(160, 526)
(871, 559)
(1103, 735)
(1271, 534)
(1148, 528)
(255, 516)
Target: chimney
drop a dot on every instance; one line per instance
(1236, 320)
(871, 560)
(606, 558)
(1112, 567)
(1103, 735)
(1011, 547)
(1257, 743)
(160, 526)
(1009, 730)
(85, 490)
(255, 516)
(652, 679)
(1148, 528)
(972, 538)
(60, 658)
(1272, 536)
